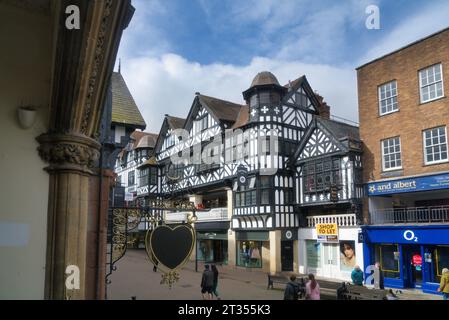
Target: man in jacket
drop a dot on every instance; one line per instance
(292, 289)
(444, 284)
(357, 276)
(207, 283)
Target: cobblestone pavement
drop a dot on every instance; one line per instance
(135, 277)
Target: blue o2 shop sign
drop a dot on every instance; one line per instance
(438, 234)
(409, 185)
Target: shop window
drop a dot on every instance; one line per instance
(206, 251)
(388, 257)
(440, 256)
(313, 252)
(249, 254)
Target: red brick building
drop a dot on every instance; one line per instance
(404, 115)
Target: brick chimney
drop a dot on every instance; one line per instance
(324, 110)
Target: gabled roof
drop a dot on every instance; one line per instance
(124, 108)
(242, 118)
(339, 137)
(169, 122)
(222, 110)
(175, 122)
(341, 130)
(294, 85)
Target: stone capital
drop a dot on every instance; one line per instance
(69, 152)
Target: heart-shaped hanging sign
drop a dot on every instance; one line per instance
(169, 246)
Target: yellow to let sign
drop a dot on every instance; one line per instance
(327, 229)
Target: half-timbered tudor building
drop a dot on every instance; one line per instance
(246, 193)
(329, 192)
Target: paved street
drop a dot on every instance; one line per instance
(135, 277)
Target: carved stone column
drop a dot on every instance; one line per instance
(71, 159)
(83, 64)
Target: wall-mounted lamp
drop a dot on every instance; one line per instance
(26, 116)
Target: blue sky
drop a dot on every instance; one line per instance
(174, 48)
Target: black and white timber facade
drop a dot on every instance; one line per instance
(239, 164)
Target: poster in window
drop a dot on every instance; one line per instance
(347, 255)
(313, 254)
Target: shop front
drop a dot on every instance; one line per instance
(251, 247)
(212, 247)
(212, 242)
(409, 235)
(329, 250)
(410, 256)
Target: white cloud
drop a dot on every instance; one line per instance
(167, 85)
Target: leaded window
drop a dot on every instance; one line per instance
(318, 176)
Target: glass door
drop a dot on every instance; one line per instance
(414, 265)
(330, 259)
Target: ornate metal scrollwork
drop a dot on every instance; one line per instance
(119, 234)
(123, 220)
(134, 216)
(184, 205)
(170, 278)
(127, 219)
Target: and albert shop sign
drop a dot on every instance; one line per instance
(409, 185)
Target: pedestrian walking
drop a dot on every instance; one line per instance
(291, 289)
(341, 291)
(312, 289)
(444, 284)
(357, 276)
(214, 288)
(207, 283)
(379, 283)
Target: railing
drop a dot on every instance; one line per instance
(215, 214)
(342, 220)
(439, 214)
(207, 167)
